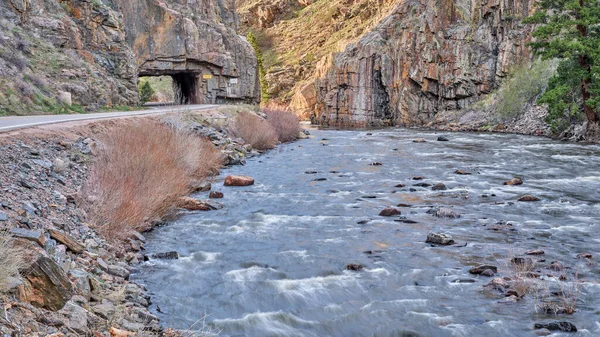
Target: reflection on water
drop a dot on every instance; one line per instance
(272, 261)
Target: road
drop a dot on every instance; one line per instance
(11, 123)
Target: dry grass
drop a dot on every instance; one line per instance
(285, 123)
(199, 329)
(140, 172)
(11, 260)
(255, 131)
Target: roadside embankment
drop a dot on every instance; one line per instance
(73, 201)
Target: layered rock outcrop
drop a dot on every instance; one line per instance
(426, 57)
(66, 55)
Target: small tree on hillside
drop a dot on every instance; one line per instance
(569, 30)
(146, 93)
(264, 85)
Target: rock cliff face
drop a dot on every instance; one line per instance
(428, 56)
(56, 53)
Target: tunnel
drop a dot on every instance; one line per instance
(185, 88)
(175, 87)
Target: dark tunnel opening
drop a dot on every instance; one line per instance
(185, 88)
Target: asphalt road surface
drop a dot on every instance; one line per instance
(11, 123)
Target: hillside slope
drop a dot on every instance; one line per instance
(295, 35)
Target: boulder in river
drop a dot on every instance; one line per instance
(216, 195)
(485, 270)
(439, 187)
(390, 211)
(439, 239)
(535, 252)
(462, 172)
(529, 198)
(556, 326)
(418, 178)
(514, 182)
(584, 256)
(376, 164)
(443, 139)
(239, 181)
(192, 204)
(166, 256)
(355, 267)
(447, 213)
(420, 140)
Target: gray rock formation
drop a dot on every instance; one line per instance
(426, 57)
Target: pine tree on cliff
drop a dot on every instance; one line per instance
(569, 30)
(264, 85)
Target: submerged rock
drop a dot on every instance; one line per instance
(192, 204)
(439, 187)
(390, 211)
(535, 252)
(556, 326)
(420, 140)
(485, 270)
(216, 195)
(439, 239)
(529, 198)
(239, 181)
(166, 256)
(355, 267)
(443, 139)
(446, 213)
(514, 182)
(462, 172)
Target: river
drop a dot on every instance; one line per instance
(273, 261)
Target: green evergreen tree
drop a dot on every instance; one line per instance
(569, 30)
(146, 93)
(264, 85)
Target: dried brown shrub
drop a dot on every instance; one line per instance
(285, 123)
(11, 260)
(255, 131)
(140, 172)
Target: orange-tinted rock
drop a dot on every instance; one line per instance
(45, 285)
(514, 182)
(529, 198)
(239, 181)
(192, 204)
(216, 195)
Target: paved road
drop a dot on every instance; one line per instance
(21, 122)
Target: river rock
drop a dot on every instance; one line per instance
(3, 216)
(355, 267)
(420, 140)
(446, 213)
(529, 198)
(556, 326)
(443, 139)
(422, 185)
(585, 256)
(76, 318)
(390, 211)
(239, 181)
(439, 239)
(418, 178)
(205, 187)
(376, 164)
(400, 186)
(45, 283)
(535, 252)
(556, 266)
(525, 262)
(462, 172)
(485, 270)
(439, 187)
(514, 182)
(216, 195)
(192, 204)
(166, 256)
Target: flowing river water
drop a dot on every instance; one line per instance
(273, 261)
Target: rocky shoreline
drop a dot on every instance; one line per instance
(74, 282)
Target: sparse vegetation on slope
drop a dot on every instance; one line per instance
(140, 172)
(255, 131)
(295, 35)
(285, 123)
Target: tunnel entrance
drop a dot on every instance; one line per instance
(185, 88)
(177, 88)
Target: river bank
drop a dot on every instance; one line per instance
(73, 281)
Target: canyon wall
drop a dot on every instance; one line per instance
(64, 55)
(427, 57)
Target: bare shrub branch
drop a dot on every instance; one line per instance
(285, 123)
(255, 131)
